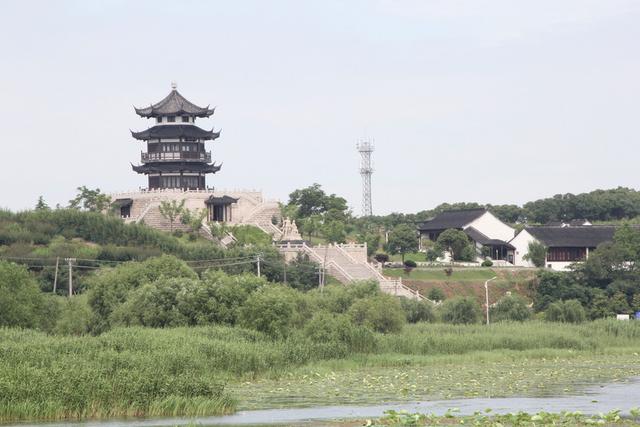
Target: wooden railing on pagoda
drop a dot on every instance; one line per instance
(176, 155)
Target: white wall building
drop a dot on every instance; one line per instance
(480, 225)
(565, 244)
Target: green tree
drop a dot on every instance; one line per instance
(311, 226)
(510, 307)
(552, 286)
(461, 310)
(75, 316)
(309, 201)
(402, 239)
(619, 304)
(301, 273)
(42, 205)
(90, 200)
(334, 232)
(21, 302)
(570, 311)
(417, 310)
(536, 253)
(454, 241)
(372, 240)
(436, 294)
(193, 219)
(272, 310)
(171, 210)
(600, 307)
(312, 200)
(111, 287)
(382, 313)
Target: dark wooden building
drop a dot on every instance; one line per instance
(176, 156)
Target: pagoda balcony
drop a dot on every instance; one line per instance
(188, 156)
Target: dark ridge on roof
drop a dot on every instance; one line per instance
(475, 235)
(589, 236)
(482, 239)
(452, 219)
(175, 131)
(166, 167)
(224, 200)
(174, 104)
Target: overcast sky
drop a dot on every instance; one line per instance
(494, 101)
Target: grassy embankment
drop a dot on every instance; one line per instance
(468, 281)
(213, 370)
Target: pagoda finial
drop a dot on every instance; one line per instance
(174, 85)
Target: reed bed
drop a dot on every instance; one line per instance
(185, 371)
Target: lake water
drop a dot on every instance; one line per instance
(622, 395)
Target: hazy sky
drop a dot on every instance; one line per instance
(497, 101)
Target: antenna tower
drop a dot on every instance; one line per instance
(365, 148)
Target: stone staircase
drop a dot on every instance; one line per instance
(152, 217)
(262, 217)
(347, 268)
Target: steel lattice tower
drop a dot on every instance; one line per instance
(365, 148)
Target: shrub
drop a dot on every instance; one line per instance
(410, 263)
(433, 253)
(468, 253)
(110, 287)
(339, 298)
(21, 302)
(461, 310)
(382, 313)
(510, 307)
(338, 335)
(417, 310)
(382, 258)
(570, 311)
(487, 263)
(536, 253)
(436, 294)
(273, 310)
(75, 316)
(155, 304)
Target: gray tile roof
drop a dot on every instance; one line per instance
(175, 167)
(589, 236)
(452, 219)
(482, 239)
(224, 200)
(175, 131)
(174, 104)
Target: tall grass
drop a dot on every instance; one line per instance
(426, 339)
(184, 371)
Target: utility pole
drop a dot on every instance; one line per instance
(284, 267)
(486, 294)
(320, 272)
(70, 261)
(258, 261)
(55, 277)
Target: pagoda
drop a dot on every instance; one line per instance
(176, 155)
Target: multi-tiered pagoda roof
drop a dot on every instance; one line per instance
(175, 131)
(174, 104)
(176, 155)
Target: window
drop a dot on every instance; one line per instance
(179, 182)
(158, 119)
(566, 254)
(171, 119)
(185, 119)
